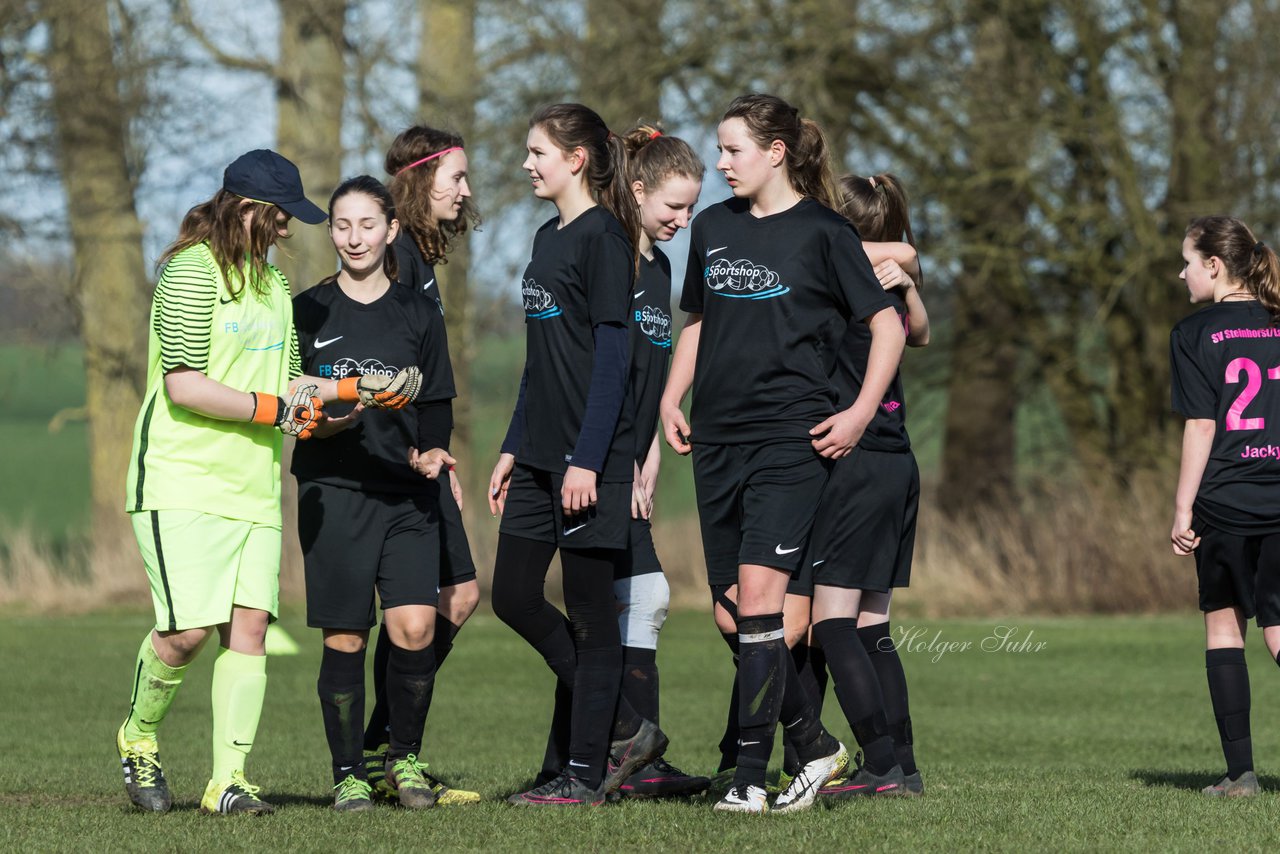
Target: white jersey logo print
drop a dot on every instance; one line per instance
(637, 295)
(568, 531)
(322, 344)
(778, 549)
(711, 252)
(428, 284)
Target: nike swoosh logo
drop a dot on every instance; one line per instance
(242, 743)
(225, 301)
(778, 549)
(568, 531)
(320, 344)
(818, 562)
(747, 743)
(637, 295)
(711, 252)
(428, 284)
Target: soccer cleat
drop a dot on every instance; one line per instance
(629, 755)
(446, 795)
(1244, 786)
(375, 771)
(748, 799)
(803, 788)
(407, 779)
(660, 779)
(912, 784)
(863, 782)
(563, 791)
(143, 779)
(353, 795)
(233, 797)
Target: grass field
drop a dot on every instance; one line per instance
(1098, 740)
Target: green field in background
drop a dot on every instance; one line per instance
(1097, 740)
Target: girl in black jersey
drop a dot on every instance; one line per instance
(368, 500)
(565, 473)
(1225, 360)
(428, 169)
(665, 176)
(774, 274)
(864, 535)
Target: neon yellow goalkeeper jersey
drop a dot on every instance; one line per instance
(185, 461)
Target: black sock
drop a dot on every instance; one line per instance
(378, 732)
(341, 690)
(729, 741)
(802, 726)
(557, 651)
(595, 695)
(858, 691)
(762, 675)
(882, 651)
(640, 680)
(410, 674)
(1229, 691)
(805, 657)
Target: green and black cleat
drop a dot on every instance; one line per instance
(143, 778)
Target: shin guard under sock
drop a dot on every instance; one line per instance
(410, 676)
(239, 686)
(340, 687)
(1229, 691)
(878, 642)
(155, 685)
(762, 675)
(378, 732)
(640, 680)
(595, 697)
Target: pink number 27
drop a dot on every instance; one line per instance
(1253, 382)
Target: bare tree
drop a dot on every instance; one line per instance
(109, 278)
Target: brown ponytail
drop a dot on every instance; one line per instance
(653, 157)
(878, 208)
(808, 157)
(1248, 260)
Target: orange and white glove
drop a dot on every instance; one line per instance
(294, 416)
(382, 391)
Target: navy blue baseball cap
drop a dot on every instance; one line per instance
(265, 176)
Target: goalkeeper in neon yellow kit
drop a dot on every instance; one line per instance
(224, 386)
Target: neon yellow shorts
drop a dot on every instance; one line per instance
(200, 565)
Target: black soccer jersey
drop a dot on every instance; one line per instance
(650, 345)
(579, 276)
(339, 338)
(887, 430)
(1226, 366)
(775, 293)
(414, 270)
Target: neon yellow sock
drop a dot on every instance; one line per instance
(155, 684)
(239, 685)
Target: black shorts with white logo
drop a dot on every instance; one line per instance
(533, 511)
(1239, 571)
(456, 564)
(354, 543)
(865, 534)
(642, 557)
(756, 504)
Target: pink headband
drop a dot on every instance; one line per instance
(428, 158)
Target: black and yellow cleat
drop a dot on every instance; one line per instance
(352, 795)
(406, 778)
(143, 778)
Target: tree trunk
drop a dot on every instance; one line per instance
(979, 455)
(624, 37)
(310, 92)
(447, 68)
(109, 279)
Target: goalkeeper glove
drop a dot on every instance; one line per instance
(382, 391)
(295, 416)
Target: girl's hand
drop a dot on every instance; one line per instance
(675, 429)
(843, 430)
(455, 486)
(327, 426)
(579, 491)
(430, 464)
(891, 275)
(498, 482)
(640, 502)
(1183, 538)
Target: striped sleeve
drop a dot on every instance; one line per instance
(182, 312)
(295, 356)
